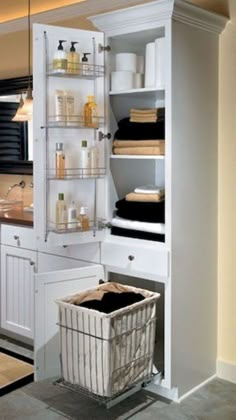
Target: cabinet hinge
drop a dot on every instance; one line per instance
(103, 225)
(102, 136)
(102, 48)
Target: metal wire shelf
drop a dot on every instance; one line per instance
(72, 121)
(77, 71)
(75, 173)
(94, 225)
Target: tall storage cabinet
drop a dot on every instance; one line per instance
(185, 264)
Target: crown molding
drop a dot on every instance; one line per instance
(196, 16)
(156, 12)
(63, 13)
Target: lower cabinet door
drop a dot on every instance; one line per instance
(59, 281)
(17, 290)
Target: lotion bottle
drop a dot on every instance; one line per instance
(72, 216)
(73, 59)
(85, 159)
(84, 220)
(60, 161)
(61, 212)
(59, 60)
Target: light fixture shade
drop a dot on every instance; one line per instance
(25, 109)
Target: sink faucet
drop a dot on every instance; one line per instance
(21, 184)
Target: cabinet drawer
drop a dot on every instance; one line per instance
(21, 237)
(135, 258)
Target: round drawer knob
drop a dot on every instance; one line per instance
(32, 262)
(130, 257)
(16, 237)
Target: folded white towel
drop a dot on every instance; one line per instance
(135, 225)
(150, 189)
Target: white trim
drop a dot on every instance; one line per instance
(63, 13)
(226, 371)
(196, 388)
(157, 12)
(170, 394)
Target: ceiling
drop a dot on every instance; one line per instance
(13, 9)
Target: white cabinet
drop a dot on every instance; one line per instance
(187, 259)
(17, 290)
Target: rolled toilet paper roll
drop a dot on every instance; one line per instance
(150, 65)
(160, 62)
(126, 62)
(138, 80)
(122, 80)
(140, 64)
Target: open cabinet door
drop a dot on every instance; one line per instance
(81, 177)
(48, 287)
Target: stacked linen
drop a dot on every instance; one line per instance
(141, 137)
(147, 114)
(141, 214)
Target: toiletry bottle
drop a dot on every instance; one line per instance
(60, 161)
(72, 216)
(86, 68)
(94, 161)
(73, 59)
(85, 159)
(61, 212)
(59, 60)
(60, 106)
(70, 108)
(84, 220)
(90, 113)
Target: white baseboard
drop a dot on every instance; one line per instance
(226, 371)
(195, 388)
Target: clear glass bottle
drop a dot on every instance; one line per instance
(90, 113)
(60, 161)
(84, 220)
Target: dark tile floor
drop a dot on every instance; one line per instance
(43, 400)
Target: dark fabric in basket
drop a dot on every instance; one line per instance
(113, 301)
(129, 233)
(142, 212)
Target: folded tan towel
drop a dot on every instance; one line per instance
(138, 143)
(151, 198)
(143, 111)
(143, 119)
(158, 150)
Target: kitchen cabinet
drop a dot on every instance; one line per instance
(185, 264)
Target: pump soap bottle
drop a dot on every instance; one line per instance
(73, 59)
(60, 161)
(86, 68)
(59, 64)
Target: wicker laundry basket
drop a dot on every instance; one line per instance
(107, 353)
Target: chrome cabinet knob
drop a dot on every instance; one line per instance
(16, 237)
(131, 257)
(32, 262)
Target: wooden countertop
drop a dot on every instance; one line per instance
(17, 217)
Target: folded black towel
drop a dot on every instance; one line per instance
(129, 233)
(142, 212)
(140, 131)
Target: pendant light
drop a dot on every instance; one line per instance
(25, 109)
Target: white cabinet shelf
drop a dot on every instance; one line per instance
(151, 92)
(156, 157)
